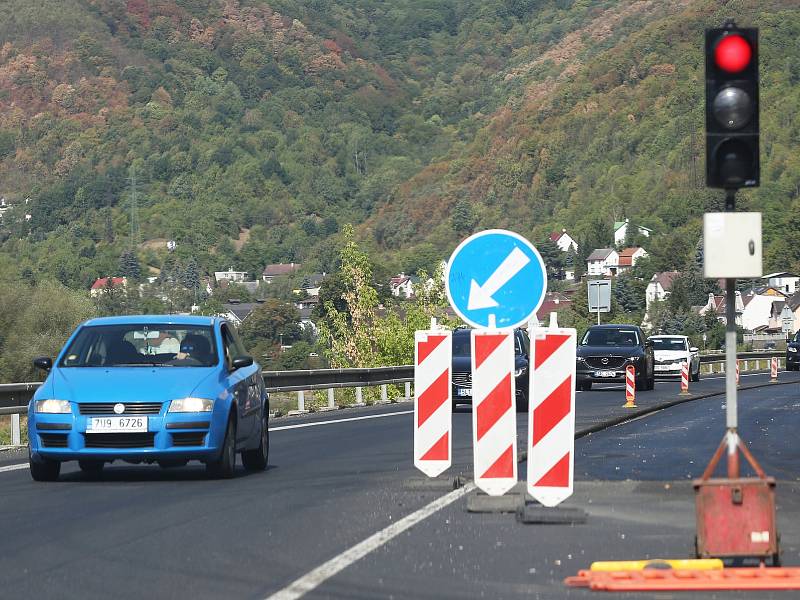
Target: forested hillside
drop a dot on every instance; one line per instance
(251, 131)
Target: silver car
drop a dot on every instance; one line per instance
(671, 351)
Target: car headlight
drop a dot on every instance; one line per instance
(790, 349)
(191, 405)
(59, 407)
(580, 359)
(520, 371)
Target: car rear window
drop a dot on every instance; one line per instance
(138, 345)
(610, 337)
(669, 344)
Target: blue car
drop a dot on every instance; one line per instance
(149, 389)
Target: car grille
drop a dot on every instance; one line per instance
(670, 361)
(462, 379)
(53, 440)
(191, 438)
(612, 362)
(119, 440)
(107, 408)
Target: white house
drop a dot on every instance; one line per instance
(230, 275)
(564, 241)
(629, 256)
(401, 286)
(660, 286)
(757, 310)
(602, 261)
(783, 282)
(621, 230)
(717, 306)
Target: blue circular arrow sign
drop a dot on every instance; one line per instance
(495, 278)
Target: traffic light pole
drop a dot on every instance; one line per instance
(730, 360)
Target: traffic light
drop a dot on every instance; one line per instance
(732, 107)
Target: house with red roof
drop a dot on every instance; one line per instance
(103, 284)
(272, 272)
(563, 240)
(629, 256)
(660, 286)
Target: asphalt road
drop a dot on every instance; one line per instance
(141, 531)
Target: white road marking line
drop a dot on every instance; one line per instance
(13, 467)
(325, 571)
(316, 423)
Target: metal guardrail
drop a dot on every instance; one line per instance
(14, 397)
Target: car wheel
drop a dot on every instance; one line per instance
(224, 466)
(44, 469)
(256, 460)
(91, 467)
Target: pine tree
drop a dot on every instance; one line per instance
(129, 265)
(191, 275)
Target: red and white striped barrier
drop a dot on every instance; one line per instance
(685, 377)
(773, 368)
(494, 423)
(630, 387)
(551, 415)
(433, 403)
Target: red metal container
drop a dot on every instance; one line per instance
(736, 515)
(736, 518)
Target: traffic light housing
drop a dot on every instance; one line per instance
(732, 148)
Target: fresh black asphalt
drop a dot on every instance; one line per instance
(143, 532)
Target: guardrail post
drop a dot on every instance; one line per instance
(384, 394)
(301, 401)
(331, 399)
(408, 390)
(359, 397)
(16, 438)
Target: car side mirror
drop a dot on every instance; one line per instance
(694, 349)
(242, 361)
(43, 362)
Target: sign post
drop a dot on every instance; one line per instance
(599, 291)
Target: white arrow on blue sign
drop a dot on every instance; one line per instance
(495, 278)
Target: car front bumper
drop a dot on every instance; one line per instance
(584, 372)
(178, 436)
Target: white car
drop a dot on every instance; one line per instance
(671, 351)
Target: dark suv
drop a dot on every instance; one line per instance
(605, 352)
(793, 353)
(462, 367)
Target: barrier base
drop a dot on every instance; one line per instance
(533, 513)
(675, 580)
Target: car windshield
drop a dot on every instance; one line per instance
(669, 344)
(137, 345)
(610, 337)
(462, 344)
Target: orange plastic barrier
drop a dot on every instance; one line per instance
(658, 580)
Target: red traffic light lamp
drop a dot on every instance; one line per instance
(733, 53)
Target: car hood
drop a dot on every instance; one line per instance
(127, 384)
(609, 351)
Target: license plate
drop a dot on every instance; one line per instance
(465, 392)
(605, 374)
(116, 425)
(663, 368)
